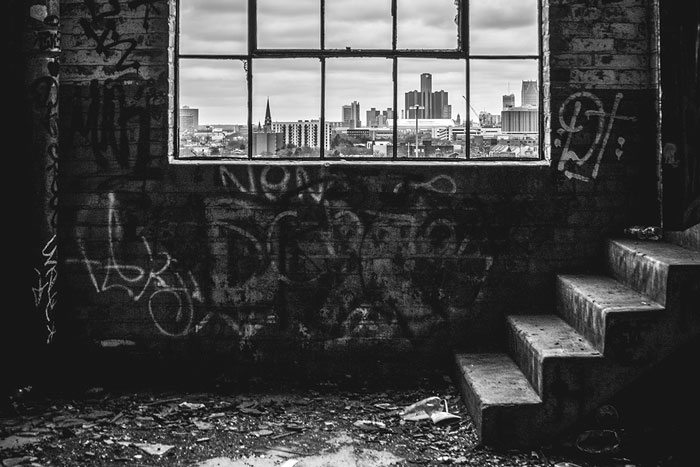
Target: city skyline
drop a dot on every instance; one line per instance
(219, 89)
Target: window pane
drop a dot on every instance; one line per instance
(293, 89)
(505, 93)
(214, 27)
(426, 24)
(359, 24)
(359, 102)
(213, 115)
(289, 24)
(431, 100)
(503, 27)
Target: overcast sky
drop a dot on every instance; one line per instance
(218, 87)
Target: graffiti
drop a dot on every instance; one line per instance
(169, 297)
(117, 116)
(45, 294)
(439, 184)
(276, 182)
(48, 40)
(102, 28)
(569, 158)
(344, 260)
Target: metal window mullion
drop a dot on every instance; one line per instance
(322, 122)
(540, 77)
(252, 47)
(322, 118)
(467, 75)
(176, 77)
(395, 80)
(395, 125)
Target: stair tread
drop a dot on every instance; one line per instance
(551, 336)
(496, 379)
(661, 252)
(609, 294)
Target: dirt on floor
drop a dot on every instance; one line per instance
(266, 425)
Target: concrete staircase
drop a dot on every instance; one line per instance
(607, 331)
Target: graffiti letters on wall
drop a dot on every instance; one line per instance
(102, 28)
(322, 255)
(167, 293)
(42, 74)
(584, 123)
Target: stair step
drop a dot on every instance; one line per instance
(613, 317)
(548, 350)
(644, 265)
(498, 396)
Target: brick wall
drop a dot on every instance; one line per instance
(265, 264)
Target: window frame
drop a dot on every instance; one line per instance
(461, 52)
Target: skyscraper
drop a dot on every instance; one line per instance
(426, 92)
(508, 101)
(529, 94)
(435, 104)
(440, 106)
(351, 115)
(413, 98)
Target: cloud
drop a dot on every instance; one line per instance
(219, 88)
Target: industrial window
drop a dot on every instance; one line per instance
(357, 80)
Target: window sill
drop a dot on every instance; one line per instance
(358, 162)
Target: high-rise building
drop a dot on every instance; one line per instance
(440, 106)
(189, 118)
(529, 94)
(306, 133)
(426, 92)
(435, 104)
(413, 98)
(373, 117)
(508, 101)
(351, 115)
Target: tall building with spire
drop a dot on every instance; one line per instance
(268, 116)
(267, 142)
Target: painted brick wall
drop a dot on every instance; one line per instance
(276, 263)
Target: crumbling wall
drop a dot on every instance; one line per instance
(274, 263)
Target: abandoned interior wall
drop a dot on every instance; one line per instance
(274, 264)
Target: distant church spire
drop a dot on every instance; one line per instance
(268, 117)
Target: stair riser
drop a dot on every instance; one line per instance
(545, 371)
(620, 335)
(510, 427)
(580, 314)
(638, 272)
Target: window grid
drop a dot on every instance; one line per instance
(459, 53)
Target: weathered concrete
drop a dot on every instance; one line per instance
(645, 265)
(346, 456)
(604, 310)
(545, 345)
(607, 335)
(498, 396)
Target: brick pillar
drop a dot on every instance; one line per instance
(42, 48)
